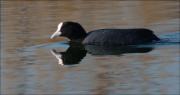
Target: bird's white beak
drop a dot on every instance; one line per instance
(55, 34)
(58, 31)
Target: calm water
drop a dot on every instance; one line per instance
(33, 64)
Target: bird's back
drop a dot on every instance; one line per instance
(119, 37)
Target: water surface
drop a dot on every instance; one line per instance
(30, 63)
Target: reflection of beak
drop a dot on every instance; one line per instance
(58, 56)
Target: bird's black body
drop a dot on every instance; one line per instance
(120, 37)
(75, 32)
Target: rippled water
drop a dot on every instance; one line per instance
(33, 64)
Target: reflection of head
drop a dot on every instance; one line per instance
(58, 56)
(73, 55)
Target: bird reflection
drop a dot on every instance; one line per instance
(73, 55)
(116, 50)
(76, 52)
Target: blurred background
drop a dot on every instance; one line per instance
(29, 23)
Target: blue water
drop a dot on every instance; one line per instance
(151, 68)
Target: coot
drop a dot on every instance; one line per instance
(75, 32)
